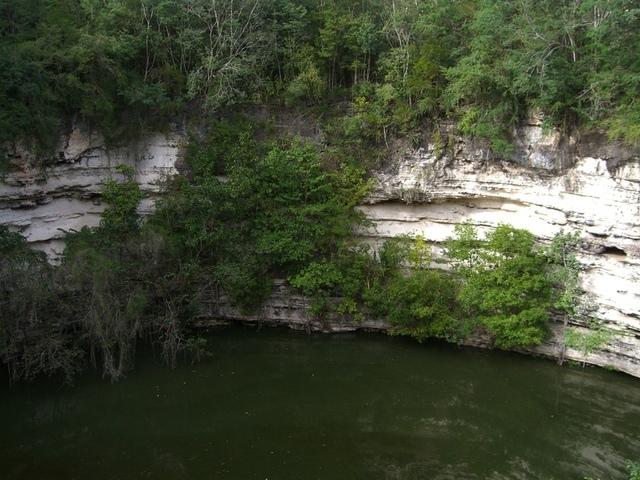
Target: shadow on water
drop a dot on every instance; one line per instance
(275, 404)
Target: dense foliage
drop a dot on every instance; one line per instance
(421, 302)
(120, 64)
(35, 338)
(117, 283)
(505, 284)
(277, 209)
(395, 283)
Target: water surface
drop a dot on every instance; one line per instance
(276, 404)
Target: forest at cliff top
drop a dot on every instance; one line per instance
(484, 64)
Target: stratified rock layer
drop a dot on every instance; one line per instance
(550, 184)
(44, 203)
(428, 193)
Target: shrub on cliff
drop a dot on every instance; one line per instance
(414, 298)
(505, 286)
(396, 284)
(278, 210)
(421, 304)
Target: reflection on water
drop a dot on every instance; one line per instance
(281, 405)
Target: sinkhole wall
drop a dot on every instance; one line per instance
(550, 183)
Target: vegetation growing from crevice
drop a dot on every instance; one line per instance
(571, 302)
(565, 270)
(123, 66)
(505, 284)
(597, 337)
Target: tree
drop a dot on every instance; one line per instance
(128, 283)
(278, 211)
(564, 273)
(230, 57)
(38, 335)
(505, 285)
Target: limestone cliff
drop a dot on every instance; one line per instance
(548, 186)
(550, 183)
(43, 203)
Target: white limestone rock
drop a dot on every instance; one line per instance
(44, 203)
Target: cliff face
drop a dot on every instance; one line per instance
(548, 186)
(429, 194)
(550, 183)
(43, 203)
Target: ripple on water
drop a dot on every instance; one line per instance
(281, 405)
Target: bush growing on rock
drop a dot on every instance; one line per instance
(505, 286)
(278, 212)
(417, 300)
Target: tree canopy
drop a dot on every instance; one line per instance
(119, 64)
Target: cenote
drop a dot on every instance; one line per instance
(275, 404)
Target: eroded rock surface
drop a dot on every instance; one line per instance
(549, 184)
(43, 203)
(428, 192)
(428, 195)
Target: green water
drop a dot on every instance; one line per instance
(282, 405)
